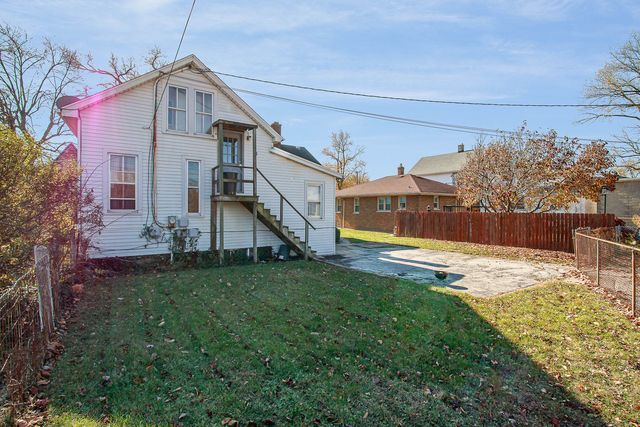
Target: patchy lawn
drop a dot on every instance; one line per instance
(305, 343)
(462, 247)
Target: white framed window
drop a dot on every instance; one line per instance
(402, 202)
(339, 205)
(436, 203)
(193, 186)
(204, 111)
(356, 205)
(177, 109)
(314, 200)
(384, 204)
(122, 182)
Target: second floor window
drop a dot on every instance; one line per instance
(177, 109)
(204, 112)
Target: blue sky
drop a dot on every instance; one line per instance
(536, 51)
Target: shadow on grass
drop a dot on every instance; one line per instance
(297, 343)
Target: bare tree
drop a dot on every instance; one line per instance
(346, 159)
(617, 87)
(31, 79)
(118, 70)
(155, 58)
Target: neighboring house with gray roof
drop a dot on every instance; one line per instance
(442, 167)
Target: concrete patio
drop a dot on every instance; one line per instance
(479, 276)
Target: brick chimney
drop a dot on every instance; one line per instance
(400, 170)
(460, 147)
(277, 127)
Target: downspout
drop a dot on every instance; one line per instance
(154, 145)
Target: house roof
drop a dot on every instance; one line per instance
(69, 152)
(398, 185)
(442, 163)
(300, 152)
(191, 61)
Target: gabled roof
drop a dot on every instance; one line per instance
(70, 152)
(440, 164)
(299, 151)
(186, 62)
(398, 185)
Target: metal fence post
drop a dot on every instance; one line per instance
(598, 262)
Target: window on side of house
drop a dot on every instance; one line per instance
(314, 200)
(402, 202)
(356, 205)
(384, 204)
(193, 186)
(204, 111)
(122, 182)
(177, 109)
(436, 202)
(339, 205)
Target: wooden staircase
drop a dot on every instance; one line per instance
(276, 226)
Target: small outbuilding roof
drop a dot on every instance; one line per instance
(398, 185)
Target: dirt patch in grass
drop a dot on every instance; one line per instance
(507, 252)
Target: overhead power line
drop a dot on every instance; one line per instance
(410, 99)
(403, 120)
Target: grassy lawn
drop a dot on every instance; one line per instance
(462, 247)
(303, 343)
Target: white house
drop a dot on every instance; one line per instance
(156, 169)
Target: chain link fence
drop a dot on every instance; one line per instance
(610, 265)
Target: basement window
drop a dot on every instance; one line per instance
(177, 109)
(193, 186)
(122, 182)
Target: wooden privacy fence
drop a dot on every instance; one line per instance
(551, 231)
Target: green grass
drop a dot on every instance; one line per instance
(462, 247)
(303, 343)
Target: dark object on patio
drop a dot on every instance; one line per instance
(337, 235)
(441, 275)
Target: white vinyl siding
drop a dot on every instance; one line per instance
(356, 205)
(193, 186)
(177, 109)
(122, 182)
(314, 200)
(119, 125)
(384, 204)
(204, 111)
(402, 202)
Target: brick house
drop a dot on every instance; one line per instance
(371, 206)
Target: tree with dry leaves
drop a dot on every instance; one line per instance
(346, 159)
(615, 94)
(534, 172)
(32, 77)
